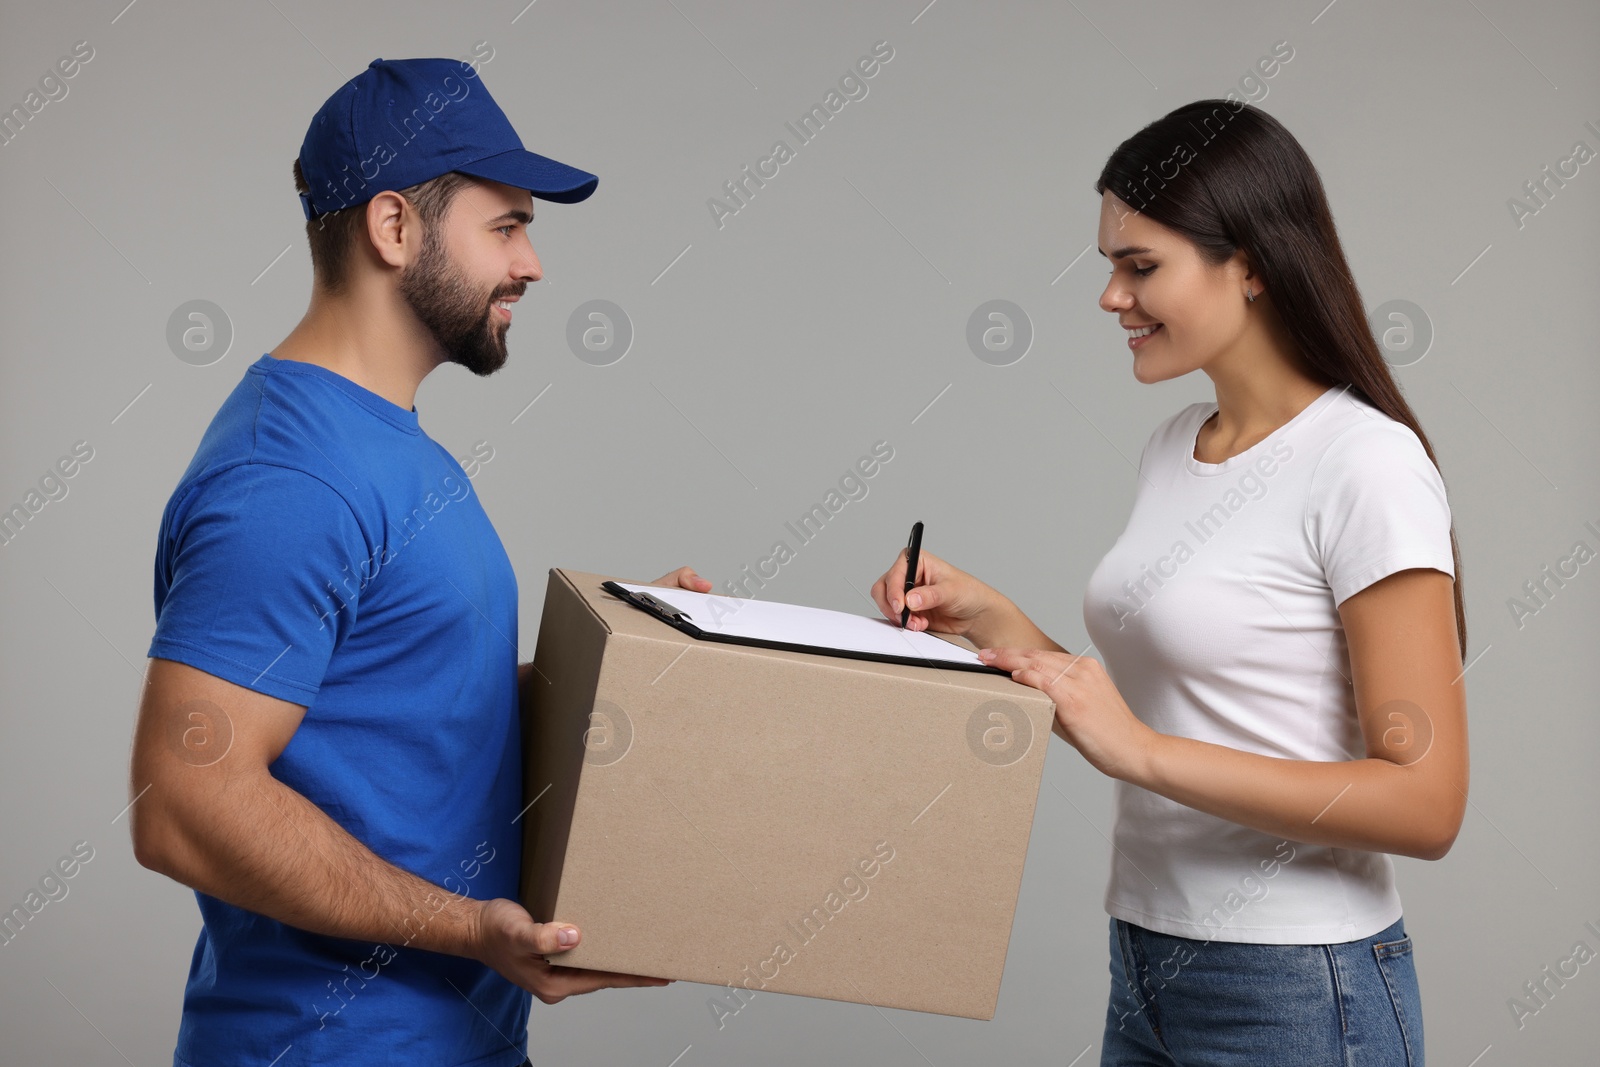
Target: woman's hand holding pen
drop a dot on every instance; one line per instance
(948, 600)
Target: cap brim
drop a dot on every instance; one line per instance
(543, 177)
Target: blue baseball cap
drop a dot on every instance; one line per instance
(405, 121)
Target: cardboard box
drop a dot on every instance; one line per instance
(770, 820)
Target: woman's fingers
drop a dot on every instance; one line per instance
(878, 592)
(889, 592)
(1037, 667)
(884, 592)
(1007, 659)
(926, 597)
(1021, 660)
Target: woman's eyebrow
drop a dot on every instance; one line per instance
(1122, 253)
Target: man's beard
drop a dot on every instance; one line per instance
(455, 311)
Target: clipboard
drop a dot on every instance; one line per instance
(681, 619)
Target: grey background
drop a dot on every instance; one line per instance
(826, 315)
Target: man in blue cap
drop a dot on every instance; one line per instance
(328, 746)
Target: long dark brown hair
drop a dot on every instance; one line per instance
(1228, 176)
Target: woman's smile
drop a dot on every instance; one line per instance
(1139, 335)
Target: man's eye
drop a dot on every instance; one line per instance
(507, 226)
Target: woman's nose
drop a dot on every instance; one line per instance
(1114, 297)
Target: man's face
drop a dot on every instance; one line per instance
(477, 255)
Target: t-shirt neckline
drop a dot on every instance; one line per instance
(1304, 415)
(385, 409)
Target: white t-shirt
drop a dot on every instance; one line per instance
(1216, 615)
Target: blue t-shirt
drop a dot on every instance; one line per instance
(322, 549)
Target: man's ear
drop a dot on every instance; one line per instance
(392, 225)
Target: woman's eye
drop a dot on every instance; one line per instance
(1144, 271)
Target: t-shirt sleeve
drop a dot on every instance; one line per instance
(1377, 507)
(261, 568)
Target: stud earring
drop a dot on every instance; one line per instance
(1249, 294)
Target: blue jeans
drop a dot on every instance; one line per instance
(1178, 1002)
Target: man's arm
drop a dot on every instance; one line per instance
(210, 815)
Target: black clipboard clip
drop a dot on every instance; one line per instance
(649, 603)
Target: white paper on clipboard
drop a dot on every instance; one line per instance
(797, 624)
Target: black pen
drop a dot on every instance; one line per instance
(913, 551)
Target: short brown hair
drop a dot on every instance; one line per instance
(332, 235)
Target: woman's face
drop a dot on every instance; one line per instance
(1158, 279)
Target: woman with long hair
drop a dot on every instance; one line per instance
(1281, 703)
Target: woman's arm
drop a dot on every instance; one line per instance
(1407, 796)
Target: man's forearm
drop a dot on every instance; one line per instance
(261, 846)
